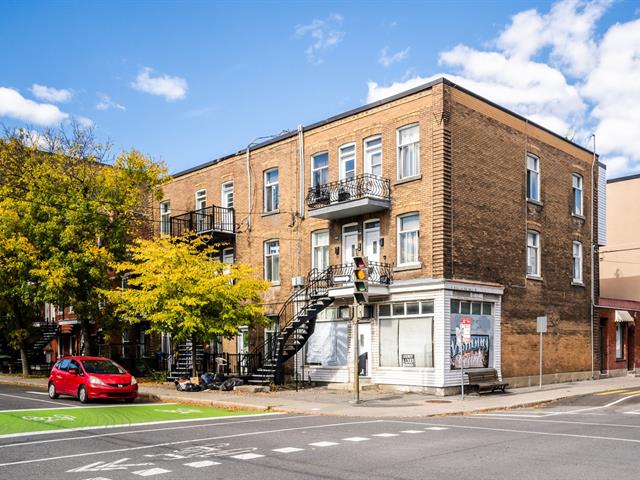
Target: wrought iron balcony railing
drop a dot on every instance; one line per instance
(381, 273)
(210, 219)
(355, 188)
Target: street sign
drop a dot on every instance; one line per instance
(542, 325)
(465, 325)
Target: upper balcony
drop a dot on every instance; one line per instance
(341, 279)
(218, 222)
(358, 195)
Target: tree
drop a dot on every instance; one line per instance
(180, 287)
(79, 208)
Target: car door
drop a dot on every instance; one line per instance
(60, 377)
(74, 380)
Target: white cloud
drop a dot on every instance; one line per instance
(554, 69)
(171, 88)
(325, 34)
(107, 103)
(84, 122)
(14, 105)
(387, 59)
(50, 94)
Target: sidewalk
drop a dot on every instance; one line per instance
(323, 401)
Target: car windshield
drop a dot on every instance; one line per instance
(106, 367)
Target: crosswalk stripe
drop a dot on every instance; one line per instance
(151, 471)
(203, 463)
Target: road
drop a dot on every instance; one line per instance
(591, 437)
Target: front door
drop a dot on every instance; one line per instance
(372, 241)
(349, 243)
(631, 340)
(364, 349)
(603, 345)
(243, 349)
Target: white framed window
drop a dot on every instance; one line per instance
(201, 199)
(201, 216)
(320, 250)
(406, 334)
(577, 262)
(165, 218)
(227, 255)
(533, 253)
(272, 261)
(577, 196)
(227, 195)
(533, 178)
(319, 169)
(271, 190)
(347, 161)
(408, 237)
(408, 151)
(373, 156)
(619, 341)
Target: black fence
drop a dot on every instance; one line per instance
(381, 273)
(232, 364)
(205, 220)
(355, 188)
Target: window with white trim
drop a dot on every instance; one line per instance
(408, 151)
(533, 178)
(533, 253)
(619, 341)
(406, 334)
(577, 262)
(201, 216)
(272, 261)
(408, 238)
(320, 250)
(577, 196)
(373, 156)
(320, 169)
(271, 190)
(227, 194)
(347, 160)
(165, 218)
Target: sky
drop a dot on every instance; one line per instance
(187, 82)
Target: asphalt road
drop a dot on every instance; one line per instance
(591, 437)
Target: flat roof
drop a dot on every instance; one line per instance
(623, 179)
(369, 106)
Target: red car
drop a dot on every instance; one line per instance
(90, 378)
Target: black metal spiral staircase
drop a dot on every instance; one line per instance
(297, 321)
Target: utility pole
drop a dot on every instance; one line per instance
(360, 297)
(356, 353)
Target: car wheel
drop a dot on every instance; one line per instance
(83, 396)
(129, 400)
(52, 391)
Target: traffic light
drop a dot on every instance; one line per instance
(360, 279)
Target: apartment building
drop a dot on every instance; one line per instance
(464, 210)
(619, 301)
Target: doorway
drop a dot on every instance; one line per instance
(603, 345)
(372, 240)
(631, 341)
(364, 349)
(349, 243)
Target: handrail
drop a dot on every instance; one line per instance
(378, 272)
(207, 219)
(354, 188)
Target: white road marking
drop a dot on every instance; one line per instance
(107, 466)
(634, 412)
(38, 393)
(436, 428)
(75, 407)
(49, 419)
(356, 439)
(97, 478)
(203, 463)
(323, 444)
(523, 415)
(180, 411)
(212, 421)
(182, 442)
(151, 471)
(610, 404)
(385, 435)
(28, 398)
(247, 456)
(122, 425)
(596, 424)
(411, 431)
(288, 450)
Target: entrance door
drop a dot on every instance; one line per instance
(364, 358)
(631, 341)
(603, 345)
(372, 240)
(349, 243)
(243, 349)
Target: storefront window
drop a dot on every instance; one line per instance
(619, 341)
(406, 339)
(328, 346)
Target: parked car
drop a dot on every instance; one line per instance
(91, 378)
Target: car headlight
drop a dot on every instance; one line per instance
(96, 381)
(133, 380)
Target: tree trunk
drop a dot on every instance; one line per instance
(194, 357)
(85, 338)
(24, 357)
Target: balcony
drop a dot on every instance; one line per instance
(218, 222)
(362, 194)
(341, 279)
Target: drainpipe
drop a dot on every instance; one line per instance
(250, 189)
(593, 251)
(301, 169)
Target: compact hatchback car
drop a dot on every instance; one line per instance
(89, 378)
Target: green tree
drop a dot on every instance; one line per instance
(181, 287)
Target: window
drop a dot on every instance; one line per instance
(577, 195)
(320, 250)
(471, 308)
(272, 261)
(577, 262)
(533, 178)
(373, 156)
(533, 253)
(271, 190)
(320, 169)
(408, 234)
(408, 151)
(201, 199)
(329, 344)
(165, 218)
(619, 341)
(347, 159)
(201, 216)
(406, 339)
(227, 195)
(227, 255)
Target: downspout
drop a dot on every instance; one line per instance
(301, 169)
(593, 251)
(250, 189)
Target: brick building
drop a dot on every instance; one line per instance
(463, 208)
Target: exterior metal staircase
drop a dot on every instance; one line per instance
(37, 360)
(182, 366)
(297, 321)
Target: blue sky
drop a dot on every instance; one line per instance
(187, 82)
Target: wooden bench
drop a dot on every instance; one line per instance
(485, 380)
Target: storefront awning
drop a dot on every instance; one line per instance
(623, 316)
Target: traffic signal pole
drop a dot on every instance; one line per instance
(356, 353)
